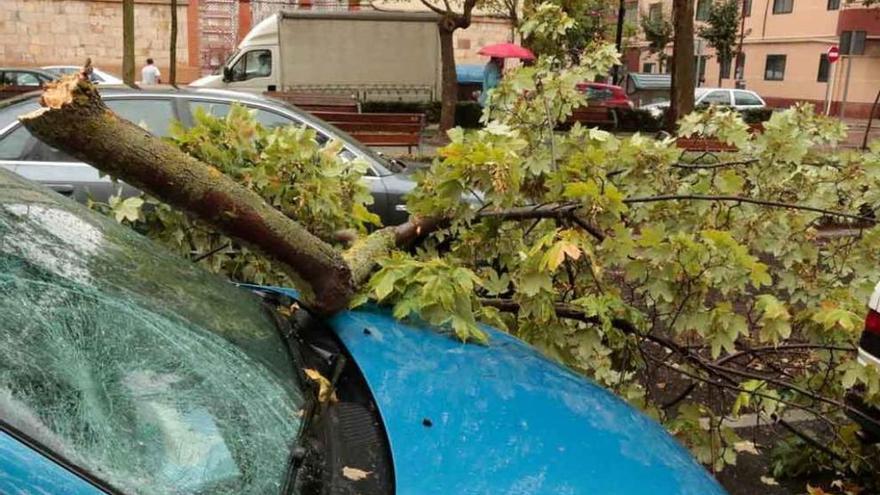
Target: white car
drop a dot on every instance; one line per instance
(869, 355)
(740, 99)
(98, 76)
(869, 345)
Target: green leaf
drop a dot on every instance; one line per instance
(128, 209)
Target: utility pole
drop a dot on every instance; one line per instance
(172, 70)
(848, 59)
(128, 42)
(740, 77)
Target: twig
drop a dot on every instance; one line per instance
(707, 166)
(741, 199)
(211, 252)
(782, 348)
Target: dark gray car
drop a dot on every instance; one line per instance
(154, 110)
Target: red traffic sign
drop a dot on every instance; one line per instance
(833, 54)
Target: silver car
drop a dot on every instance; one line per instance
(155, 110)
(740, 99)
(98, 76)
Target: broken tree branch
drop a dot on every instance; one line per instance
(74, 119)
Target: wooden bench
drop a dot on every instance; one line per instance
(379, 129)
(595, 115)
(704, 144)
(319, 102)
(711, 144)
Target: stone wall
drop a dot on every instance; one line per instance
(64, 32)
(482, 31)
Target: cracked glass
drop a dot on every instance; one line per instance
(135, 365)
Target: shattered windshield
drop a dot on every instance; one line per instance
(136, 366)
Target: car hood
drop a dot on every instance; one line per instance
(501, 418)
(206, 81)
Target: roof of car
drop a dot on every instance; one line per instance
(27, 69)
(599, 85)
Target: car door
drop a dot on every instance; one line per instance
(26, 469)
(33, 159)
(270, 118)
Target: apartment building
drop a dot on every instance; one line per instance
(784, 51)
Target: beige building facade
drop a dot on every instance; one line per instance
(784, 53)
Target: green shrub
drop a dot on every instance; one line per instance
(467, 114)
(756, 115)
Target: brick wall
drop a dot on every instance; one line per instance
(55, 32)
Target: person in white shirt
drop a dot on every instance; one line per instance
(150, 73)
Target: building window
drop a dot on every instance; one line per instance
(632, 13)
(648, 68)
(747, 8)
(655, 12)
(774, 70)
(783, 6)
(724, 67)
(703, 8)
(852, 42)
(740, 67)
(833, 4)
(824, 67)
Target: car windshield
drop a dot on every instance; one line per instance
(135, 365)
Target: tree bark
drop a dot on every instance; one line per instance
(448, 22)
(128, 42)
(75, 120)
(449, 84)
(172, 70)
(682, 91)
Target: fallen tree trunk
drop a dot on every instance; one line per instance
(74, 119)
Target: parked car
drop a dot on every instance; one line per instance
(740, 99)
(126, 369)
(98, 76)
(15, 81)
(869, 355)
(155, 110)
(605, 102)
(606, 95)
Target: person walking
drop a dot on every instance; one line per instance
(150, 73)
(491, 77)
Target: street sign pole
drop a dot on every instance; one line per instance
(829, 88)
(833, 55)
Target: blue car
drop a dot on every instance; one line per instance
(124, 369)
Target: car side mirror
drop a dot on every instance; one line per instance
(227, 74)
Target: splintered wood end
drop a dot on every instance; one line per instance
(59, 93)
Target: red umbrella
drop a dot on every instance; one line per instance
(507, 50)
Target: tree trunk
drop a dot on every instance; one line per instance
(682, 92)
(128, 42)
(618, 40)
(172, 70)
(449, 83)
(77, 122)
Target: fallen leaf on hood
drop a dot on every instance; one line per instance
(355, 474)
(769, 481)
(325, 389)
(746, 446)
